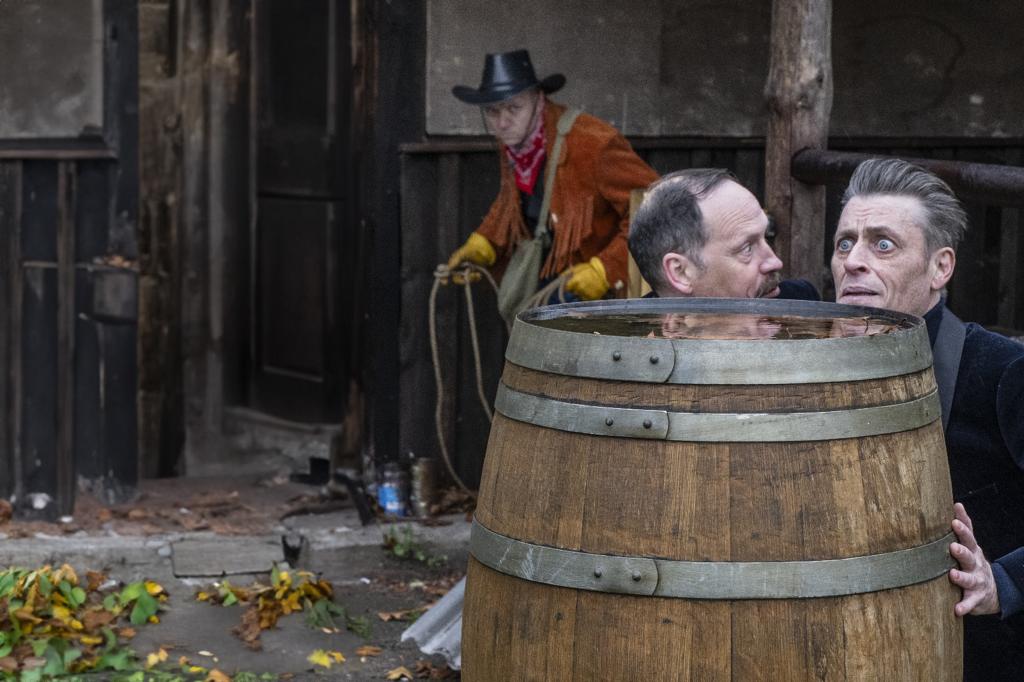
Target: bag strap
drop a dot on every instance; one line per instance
(565, 123)
(949, 346)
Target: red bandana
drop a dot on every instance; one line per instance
(527, 163)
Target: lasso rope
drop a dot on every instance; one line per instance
(465, 275)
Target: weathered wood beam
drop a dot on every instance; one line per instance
(65, 455)
(799, 97)
(986, 183)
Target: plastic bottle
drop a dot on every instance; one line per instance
(393, 491)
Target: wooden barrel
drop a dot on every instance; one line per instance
(717, 490)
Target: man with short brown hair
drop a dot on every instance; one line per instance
(699, 232)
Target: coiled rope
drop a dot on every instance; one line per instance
(465, 275)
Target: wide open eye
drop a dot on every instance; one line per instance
(886, 245)
(844, 245)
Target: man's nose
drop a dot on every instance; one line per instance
(855, 259)
(771, 263)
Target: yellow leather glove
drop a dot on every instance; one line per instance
(476, 250)
(588, 280)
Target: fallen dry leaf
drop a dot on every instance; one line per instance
(156, 657)
(95, 619)
(6, 511)
(217, 676)
(427, 670)
(368, 650)
(192, 522)
(325, 658)
(388, 616)
(399, 673)
(249, 629)
(94, 580)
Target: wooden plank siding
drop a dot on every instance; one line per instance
(68, 210)
(447, 187)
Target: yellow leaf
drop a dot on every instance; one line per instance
(62, 613)
(292, 603)
(90, 640)
(217, 676)
(321, 658)
(65, 572)
(337, 656)
(76, 624)
(154, 619)
(196, 669)
(202, 596)
(399, 673)
(156, 657)
(25, 614)
(312, 592)
(153, 588)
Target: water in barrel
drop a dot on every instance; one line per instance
(713, 489)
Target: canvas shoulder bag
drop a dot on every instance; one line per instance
(519, 283)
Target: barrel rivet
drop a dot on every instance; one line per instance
(654, 359)
(636, 576)
(616, 356)
(648, 423)
(598, 572)
(609, 421)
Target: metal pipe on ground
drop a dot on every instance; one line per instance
(982, 182)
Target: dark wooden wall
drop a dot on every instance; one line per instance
(68, 296)
(447, 187)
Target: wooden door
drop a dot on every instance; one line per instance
(301, 254)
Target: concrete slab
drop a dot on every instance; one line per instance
(213, 557)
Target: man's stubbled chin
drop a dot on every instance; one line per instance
(770, 287)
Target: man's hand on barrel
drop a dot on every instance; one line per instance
(588, 280)
(974, 576)
(476, 250)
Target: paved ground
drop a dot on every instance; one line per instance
(368, 581)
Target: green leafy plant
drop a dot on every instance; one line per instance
(51, 625)
(401, 543)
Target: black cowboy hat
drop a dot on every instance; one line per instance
(505, 75)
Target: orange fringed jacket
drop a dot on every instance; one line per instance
(589, 214)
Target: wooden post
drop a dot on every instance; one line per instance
(799, 96)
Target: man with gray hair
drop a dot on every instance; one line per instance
(895, 247)
(699, 232)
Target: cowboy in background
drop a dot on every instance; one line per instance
(563, 202)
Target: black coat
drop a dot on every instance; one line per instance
(985, 445)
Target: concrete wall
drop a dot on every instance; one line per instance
(51, 74)
(689, 67)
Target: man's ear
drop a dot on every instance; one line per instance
(678, 271)
(943, 262)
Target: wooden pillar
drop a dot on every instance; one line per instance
(799, 96)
